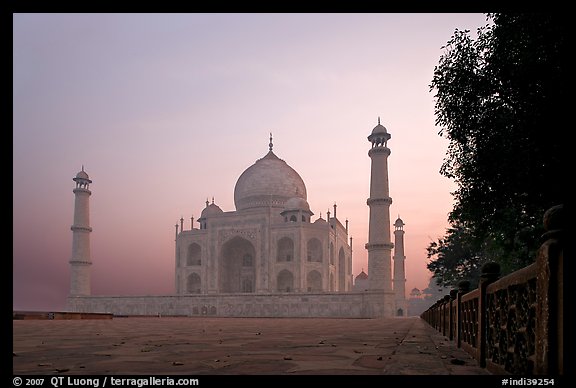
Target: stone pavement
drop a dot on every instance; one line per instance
(236, 346)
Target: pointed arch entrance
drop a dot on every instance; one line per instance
(237, 266)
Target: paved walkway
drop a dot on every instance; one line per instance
(233, 346)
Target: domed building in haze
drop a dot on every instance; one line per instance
(266, 258)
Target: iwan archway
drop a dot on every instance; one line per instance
(237, 266)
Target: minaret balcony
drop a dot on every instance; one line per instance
(371, 246)
(80, 261)
(379, 201)
(379, 150)
(81, 228)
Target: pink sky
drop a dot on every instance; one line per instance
(167, 110)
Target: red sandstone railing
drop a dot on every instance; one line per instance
(514, 324)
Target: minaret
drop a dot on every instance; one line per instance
(399, 273)
(379, 245)
(80, 261)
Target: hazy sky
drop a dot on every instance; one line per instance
(167, 110)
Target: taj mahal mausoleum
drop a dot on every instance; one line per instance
(267, 258)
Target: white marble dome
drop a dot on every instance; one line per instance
(270, 181)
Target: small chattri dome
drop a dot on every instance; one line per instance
(82, 176)
(211, 210)
(399, 222)
(379, 135)
(296, 203)
(379, 129)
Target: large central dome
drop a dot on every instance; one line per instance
(268, 182)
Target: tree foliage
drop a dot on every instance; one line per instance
(500, 101)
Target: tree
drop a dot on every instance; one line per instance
(500, 101)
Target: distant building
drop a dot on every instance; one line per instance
(419, 301)
(416, 302)
(415, 293)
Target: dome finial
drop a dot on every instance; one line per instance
(270, 145)
(82, 167)
(378, 120)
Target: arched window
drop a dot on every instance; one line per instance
(285, 250)
(194, 255)
(341, 270)
(332, 253)
(293, 218)
(194, 284)
(314, 250)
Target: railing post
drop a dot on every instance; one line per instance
(490, 273)
(439, 310)
(445, 314)
(436, 315)
(550, 296)
(441, 314)
(463, 288)
(452, 315)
